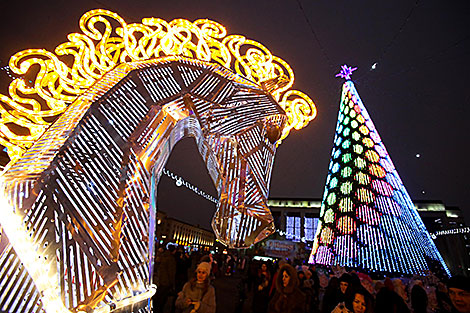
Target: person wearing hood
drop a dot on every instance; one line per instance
(345, 287)
(288, 297)
(198, 295)
(344, 293)
(459, 293)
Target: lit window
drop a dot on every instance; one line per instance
(297, 228)
(310, 228)
(290, 227)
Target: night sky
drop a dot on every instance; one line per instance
(418, 95)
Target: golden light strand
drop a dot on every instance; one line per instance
(106, 41)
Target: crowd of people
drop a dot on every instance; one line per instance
(185, 285)
(190, 275)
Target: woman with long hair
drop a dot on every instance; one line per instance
(288, 297)
(198, 295)
(357, 300)
(362, 301)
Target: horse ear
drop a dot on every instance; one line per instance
(273, 133)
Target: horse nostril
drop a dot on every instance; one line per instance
(273, 132)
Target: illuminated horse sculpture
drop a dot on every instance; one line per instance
(79, 197)
(91, 180)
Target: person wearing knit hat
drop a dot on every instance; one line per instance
(204, 267)
(459, 293)
(198, 295)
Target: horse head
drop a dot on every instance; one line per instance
(240, 132)
(236, 125)
(87, 188)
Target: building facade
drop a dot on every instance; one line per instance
(297, 220)
(449, 232)
(173, 231)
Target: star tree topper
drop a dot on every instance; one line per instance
(346, 72)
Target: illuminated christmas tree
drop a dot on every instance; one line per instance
(367, 219)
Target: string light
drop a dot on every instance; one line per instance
(346, 72)
(180, 181)
(8, 71)
(454, 231)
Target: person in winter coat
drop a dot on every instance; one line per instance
(164, 277)
(261, 293)
(330, 299)
(345, 287)
(198, 295)
(288, 297)
(357, 300)
(344, 293)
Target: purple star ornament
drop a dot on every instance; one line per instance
(346, 72)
